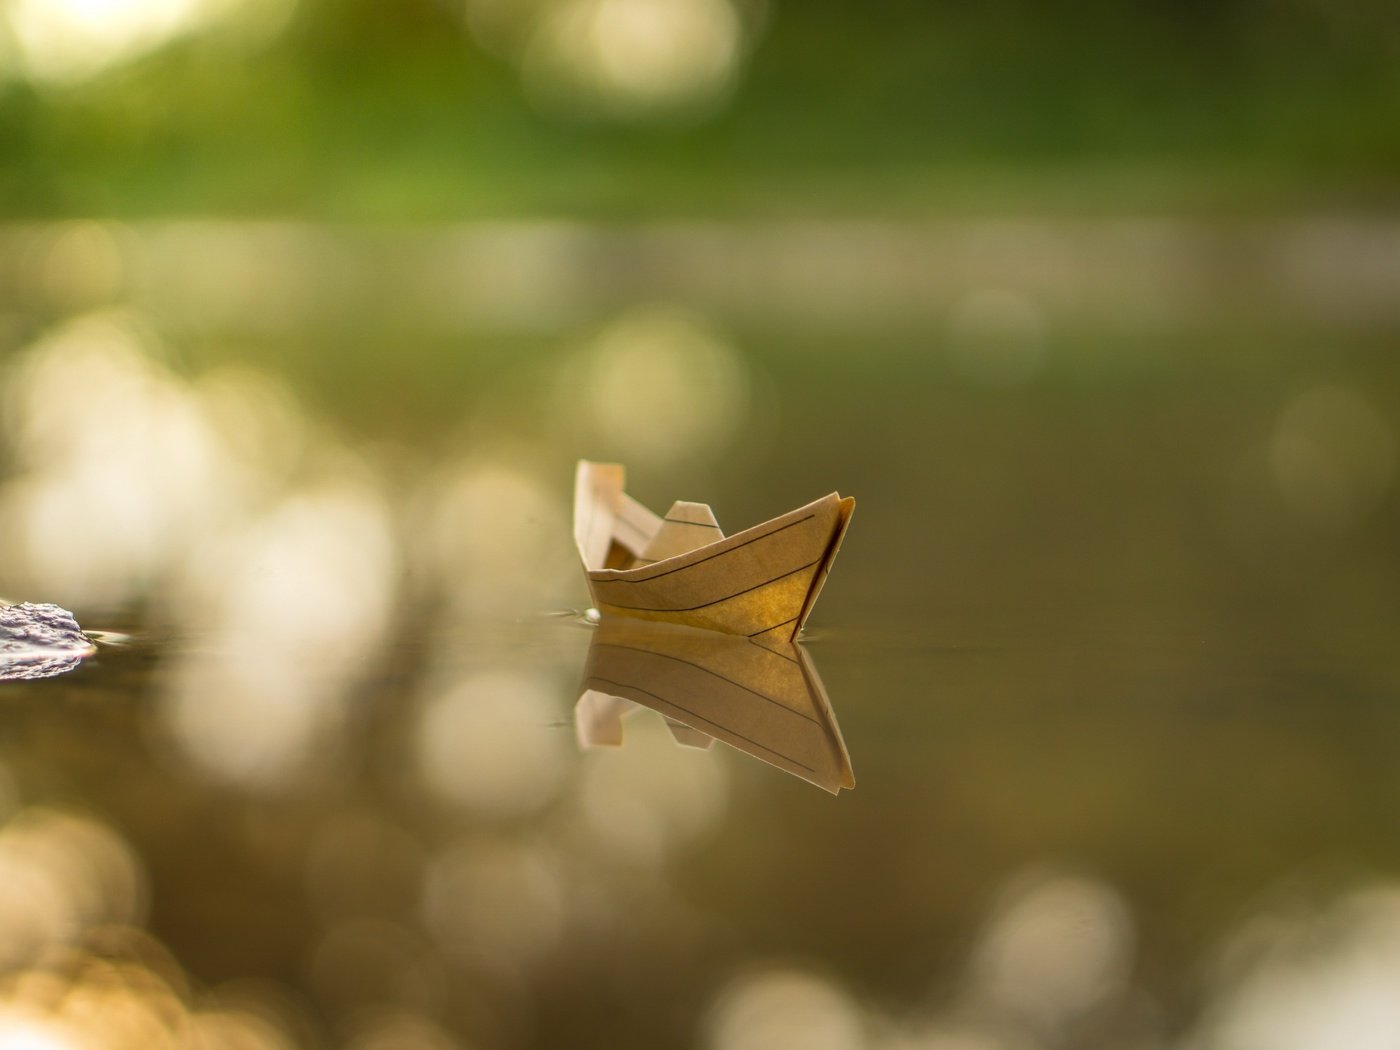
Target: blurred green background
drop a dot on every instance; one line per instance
(428, 110)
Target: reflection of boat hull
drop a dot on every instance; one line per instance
(764, 700)
(759, 583)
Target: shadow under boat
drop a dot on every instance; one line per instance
(764, 700)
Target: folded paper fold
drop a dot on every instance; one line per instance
(759, 583)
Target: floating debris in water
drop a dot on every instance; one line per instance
(40, 641)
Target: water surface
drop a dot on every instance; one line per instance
(1111, 643)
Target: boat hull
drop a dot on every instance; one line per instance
(760, 583)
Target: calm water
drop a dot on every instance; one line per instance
(1112, 644)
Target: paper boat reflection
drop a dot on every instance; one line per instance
(765, 700)
(760, 583)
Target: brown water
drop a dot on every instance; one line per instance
(1112, 642)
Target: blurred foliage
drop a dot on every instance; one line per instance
(365, 110)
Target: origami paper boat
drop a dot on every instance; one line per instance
(764, 700)
(760, 583)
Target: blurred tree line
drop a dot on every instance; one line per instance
(358, 109)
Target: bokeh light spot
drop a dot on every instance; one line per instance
(493, 540)
(118, 466)
(1314, 982)
(499, 904)
(400, 1031)
(779, 1009)
(663, 387)
(83, 264)
(634, 58)
(65, 41)
(62, 874)
(362, 964)
(486, 743)
(1333, 457)
(1057, 946)
(648, 797)
(297, 604)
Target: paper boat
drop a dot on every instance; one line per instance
(764, 700)
(760, 583)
